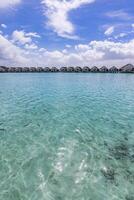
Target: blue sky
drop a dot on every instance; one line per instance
(66, 32)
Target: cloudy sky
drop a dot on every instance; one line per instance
(66, 32)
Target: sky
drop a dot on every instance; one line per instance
(66, 32)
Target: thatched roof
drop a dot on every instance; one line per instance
(113, 69)
(32, 69)
(94, 69)
(63, 69)
(18, 69)
(85, 69)
(103, 69)
(39, 69)
(70, 69)
(25, 69)
(78, 69)
(2, 70)
(12, 69)
(54, 69)
(46, 69)
(129, 68)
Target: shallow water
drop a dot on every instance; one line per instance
(66, 137)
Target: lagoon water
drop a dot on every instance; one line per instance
(66, 136)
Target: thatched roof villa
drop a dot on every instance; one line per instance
(63, 69)
(18, 69)
(103, 69)
(25, 69)
(39, 69)
(12, 69)
(85, 69)
(54, 69)
(94, 69)
(70, 69)
(78, 69)
(32, 69)
(46, 69)
(3, 69)
(129, 68)
(113, 69)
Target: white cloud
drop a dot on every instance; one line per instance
(82, 47)
(3, 25)
(11, 53)
(8, 3)
(32, 34)
(93, 53)
(120, 14)
(68, 46)
(109, 31)
(132, 25)
(22, 37)
(57, 12)
(114, 50)
(121, 35)
(31, 46)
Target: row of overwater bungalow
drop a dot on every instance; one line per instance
(129, 68)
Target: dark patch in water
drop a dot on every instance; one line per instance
(129, 197)
(108, 173)
(54, 181)
(132, 158)
(38, 125)
(52, 175)
(105, 143)
(59, 198)
(120, 151)
(126, 138)
(2, 129)
(129, 176)
(27, 124)
(45, 110)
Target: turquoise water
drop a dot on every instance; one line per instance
(66, 137)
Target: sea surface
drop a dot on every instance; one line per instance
(66, 136)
